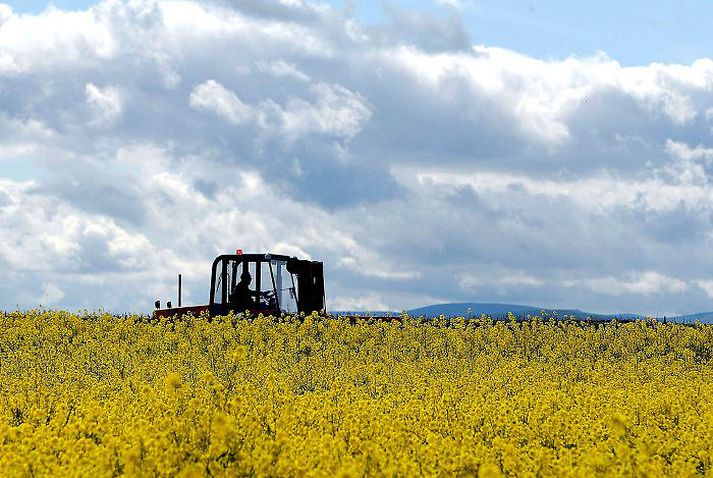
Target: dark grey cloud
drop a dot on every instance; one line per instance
(429, 31)
(298, 12)
(98, 187)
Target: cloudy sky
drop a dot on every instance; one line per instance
(426, 151)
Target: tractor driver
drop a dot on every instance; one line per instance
(242, 296)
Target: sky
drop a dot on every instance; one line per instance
(556, 155)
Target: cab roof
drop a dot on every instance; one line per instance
(251, 257)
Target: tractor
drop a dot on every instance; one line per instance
(268, 284)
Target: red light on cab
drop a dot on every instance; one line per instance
(238, 252)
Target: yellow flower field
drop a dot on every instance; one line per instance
(97, 396)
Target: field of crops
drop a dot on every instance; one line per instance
(97, 396)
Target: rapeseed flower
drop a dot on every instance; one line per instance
(317, 396)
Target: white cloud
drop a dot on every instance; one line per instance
(5, 12)
(603, 193)
(57, 37)
(202, 21)
(508, 279)
(51, 294)
(63, 238)
(363, 303)
(645, 283)
(707, 286)
(456, 4)
(365, 263)
(106, 102)
(214, 97)
(280, 68)
(336, 111)
(685, 152)
(541, 95)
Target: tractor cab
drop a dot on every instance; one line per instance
(265, 283)
(268, 284)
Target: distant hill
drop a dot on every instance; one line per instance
(473, 309)
(702, 317)
(498, 311)
(373, 313)
(501, 310)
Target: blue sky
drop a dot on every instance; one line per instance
(482, 151)
(36, 6)
(635, 32)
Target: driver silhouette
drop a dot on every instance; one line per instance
(242, 296)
